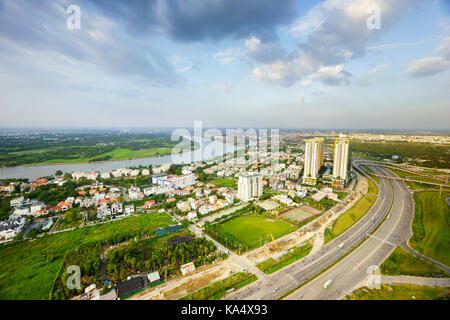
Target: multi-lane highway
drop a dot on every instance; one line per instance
(395, 228)
(352, 271)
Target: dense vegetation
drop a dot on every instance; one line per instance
(28, 268)
(148, 256)
(434, 155)
(45, 148)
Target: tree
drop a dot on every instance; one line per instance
(58, 173)
(123, 274)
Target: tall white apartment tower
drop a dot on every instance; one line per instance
(249, 186)
(341, 161)
(313, 160)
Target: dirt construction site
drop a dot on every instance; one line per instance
(265, 252)
(181, 286)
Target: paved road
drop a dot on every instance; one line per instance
(286, 279)
(417, 254)
(431, 282)
(352, 272)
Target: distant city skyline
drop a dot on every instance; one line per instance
(231, 64)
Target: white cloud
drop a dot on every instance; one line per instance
(334, 32)
(332, 76)
(301, 99)
(444, 49)
(432, 65)
(229, 55)
(222, 87)
(252, 43)
(427, 66)
(366, 78)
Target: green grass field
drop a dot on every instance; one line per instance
(401, 262)
(28, 269)
(373, 189)
(224, 182)
(400, 292)
(431, 226)
(249, 229)
(118, 154)
(350, 217)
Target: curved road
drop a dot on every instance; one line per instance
(352, 272)
(285, 280)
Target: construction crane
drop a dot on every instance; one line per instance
(274, 243)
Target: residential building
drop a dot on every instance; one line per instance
(341, 162)
(16, 202)
(313, 160)
(249, 186)
(129, 209)
(192, 215)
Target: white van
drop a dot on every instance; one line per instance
(328, 284)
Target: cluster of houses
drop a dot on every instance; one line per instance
(123, 172)
(207, 203)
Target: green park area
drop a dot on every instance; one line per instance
(218, 289)
(431, 226)
(271, 265)
(29, 268)
(350, 217)
(401, 292)
(401, 262)
(116, 155)
(249, 231)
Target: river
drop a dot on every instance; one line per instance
(212, 148)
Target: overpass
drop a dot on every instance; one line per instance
(398, 167)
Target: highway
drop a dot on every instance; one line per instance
(285, 280)
(351, 272)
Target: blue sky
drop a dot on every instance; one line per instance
(229, 63)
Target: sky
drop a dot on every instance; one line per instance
(227, 63)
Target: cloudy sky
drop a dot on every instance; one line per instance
(229, 63)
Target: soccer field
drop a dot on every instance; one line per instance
(249, 230)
